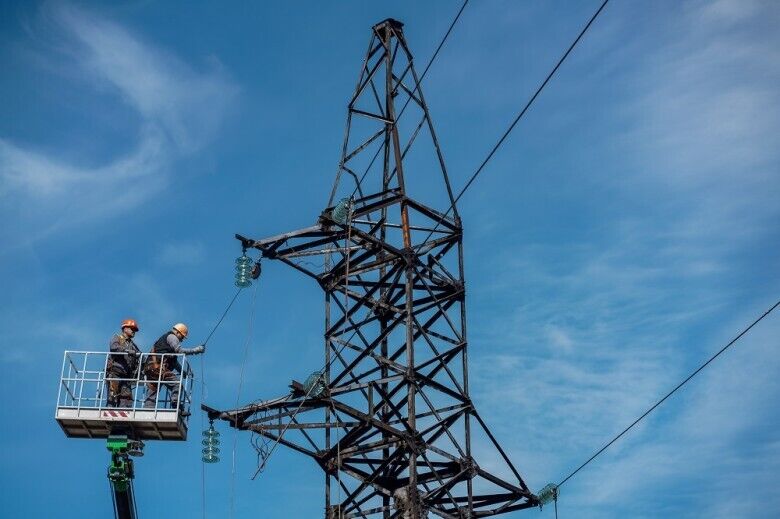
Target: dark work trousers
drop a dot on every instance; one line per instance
(154, 380)
(120, 392)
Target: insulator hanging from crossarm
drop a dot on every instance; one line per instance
(210, 444)
(246, 270)
(243, 271)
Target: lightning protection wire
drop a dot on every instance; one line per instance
(519, 116)
(673, 391)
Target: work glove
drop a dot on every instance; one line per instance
(198, 349)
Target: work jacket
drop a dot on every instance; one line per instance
(124, 365)
(167, 343)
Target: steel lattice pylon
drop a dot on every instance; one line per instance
(390, 421)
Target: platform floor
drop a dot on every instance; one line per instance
(143, 424)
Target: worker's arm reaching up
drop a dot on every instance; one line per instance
(175, 344)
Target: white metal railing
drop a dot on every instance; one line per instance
(84, 382)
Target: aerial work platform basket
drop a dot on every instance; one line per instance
(82, 400)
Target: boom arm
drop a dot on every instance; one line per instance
(124, 501)
(120, 475)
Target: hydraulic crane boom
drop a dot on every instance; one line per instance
(120, 475)
(124, 502)
(84, 411)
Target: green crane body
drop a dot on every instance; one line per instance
(120, 471)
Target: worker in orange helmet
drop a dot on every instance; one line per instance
(161, 370)
(122, 366)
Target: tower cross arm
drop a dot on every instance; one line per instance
(274, 242)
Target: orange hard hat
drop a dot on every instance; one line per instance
(130, 323)
(181, 328)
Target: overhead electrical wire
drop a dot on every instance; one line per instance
(520, 115)
(229, 306)
(203, 397)
(468, 184)
(670, 393)
(436, 52)
(532, 99)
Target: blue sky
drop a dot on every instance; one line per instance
(626, 230)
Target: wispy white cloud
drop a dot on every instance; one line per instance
(720, 439)
(43, 177)
(187, 104)
(586, 335)
(704, 123)
(180, 110)
(559, 337)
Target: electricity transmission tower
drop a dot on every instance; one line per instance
(389, 419)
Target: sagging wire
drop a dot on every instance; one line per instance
(516, 120)
(551, 491)
(202, 461)
(222, 318)
(670, 393)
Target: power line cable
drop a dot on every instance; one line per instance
(520, 115)
(441, 44)
(490, 155)
(229, 306)
(670, 393)
(203, 398)
(532, 99)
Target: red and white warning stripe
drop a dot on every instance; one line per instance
(115, 414)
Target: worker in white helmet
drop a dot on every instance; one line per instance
(161, 370)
